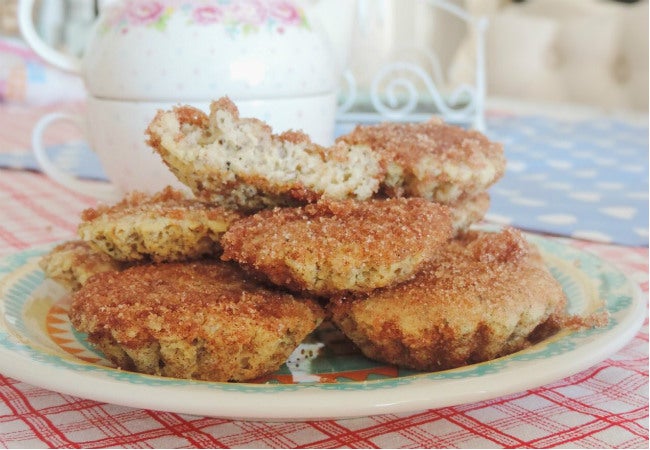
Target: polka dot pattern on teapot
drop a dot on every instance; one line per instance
(199, 50)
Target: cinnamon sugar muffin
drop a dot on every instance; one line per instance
(72, 263)
(434, 160)
(202, 320)
(468, 210)
(167, 226)
(240, 163)
(482, 296)
(333, 246)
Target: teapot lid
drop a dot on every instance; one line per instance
(169, 50)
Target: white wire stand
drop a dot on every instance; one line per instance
(403, 91)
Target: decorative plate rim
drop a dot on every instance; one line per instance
(555, 358)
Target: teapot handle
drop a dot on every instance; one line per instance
(56, 58)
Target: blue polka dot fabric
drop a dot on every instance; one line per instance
(585, 179)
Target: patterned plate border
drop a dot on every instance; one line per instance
(585, 278)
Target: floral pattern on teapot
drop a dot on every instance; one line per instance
(237, 16)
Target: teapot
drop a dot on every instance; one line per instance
(278, 60)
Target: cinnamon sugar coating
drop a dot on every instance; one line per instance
(333, 246)
(482, 296)
(432, 159)
(167, 226)
(202, 320)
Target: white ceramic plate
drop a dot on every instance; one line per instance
(38, 346)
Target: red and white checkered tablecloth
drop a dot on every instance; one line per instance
(605, 406)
